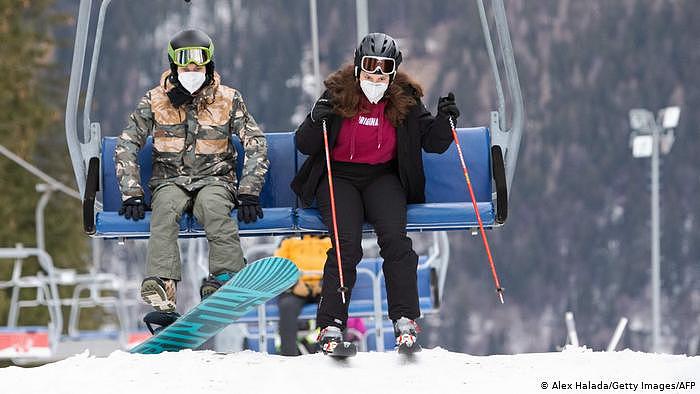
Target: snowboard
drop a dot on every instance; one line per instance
(255, 284)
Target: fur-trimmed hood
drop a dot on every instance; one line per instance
(345, 94)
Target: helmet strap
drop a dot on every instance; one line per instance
(173, 69)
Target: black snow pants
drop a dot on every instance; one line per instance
(371, 193)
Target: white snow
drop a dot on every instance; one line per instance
(432, 371)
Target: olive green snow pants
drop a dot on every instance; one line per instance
(212, 206)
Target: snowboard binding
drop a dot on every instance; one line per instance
(158, 320)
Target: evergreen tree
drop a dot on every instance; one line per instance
(31, 125)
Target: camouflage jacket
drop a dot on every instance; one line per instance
(191, 144)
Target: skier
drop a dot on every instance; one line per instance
(309, 255)
(377, 126)
(191, 117)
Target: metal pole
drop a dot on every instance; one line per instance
(46, 191)
(314, 46)
(377, 306)
(617, 335)
(362, 19)
(518, 122)
(73, 99)
(494, 64)
(96, 255)
(93, 75)
(655, 242)
(40, 174)
(571, 328)
(262, 329)
(13, 316)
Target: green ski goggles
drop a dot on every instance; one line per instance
(184, 56)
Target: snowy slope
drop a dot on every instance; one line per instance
(433, 371)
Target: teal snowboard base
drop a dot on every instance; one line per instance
(255, 284)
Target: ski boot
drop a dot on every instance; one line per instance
(330, 340)
(212, 283)
(406, 332)
(159, 293)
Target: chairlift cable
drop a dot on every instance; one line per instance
(40, 174)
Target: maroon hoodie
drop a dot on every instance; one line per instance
(366, 137)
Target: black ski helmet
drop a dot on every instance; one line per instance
(377, 44)
(191, 38)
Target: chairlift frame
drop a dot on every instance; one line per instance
(505, 141)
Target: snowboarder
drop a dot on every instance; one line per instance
(377, 127)
(191, 117)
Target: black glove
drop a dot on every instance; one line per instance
(447, 106)
(133, 208)
(321, 110)
(249, 209)
(178, 95)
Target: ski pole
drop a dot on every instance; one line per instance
(499, 289)
(342, 289)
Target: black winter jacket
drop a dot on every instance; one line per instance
(419, 130)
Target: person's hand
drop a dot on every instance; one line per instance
(249, 209)
(302, 289)
(448, 107)
(321, 110)
(133, 208)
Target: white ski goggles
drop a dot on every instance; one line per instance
(385, 65)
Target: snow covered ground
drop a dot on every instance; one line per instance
(432, 371)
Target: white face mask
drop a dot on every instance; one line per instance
(191, 80)
(374, 91)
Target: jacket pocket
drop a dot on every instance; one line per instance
(169, 140)
(169, 144)
(212, 140)
(211, 147)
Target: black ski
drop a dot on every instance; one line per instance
(407, 350)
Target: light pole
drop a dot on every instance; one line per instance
(313, 11)
(650, 136)
(362, 22)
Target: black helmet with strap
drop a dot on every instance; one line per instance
(378, 45)
(191, 46)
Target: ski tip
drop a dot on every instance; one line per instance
(409, 351)
(340, 358)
